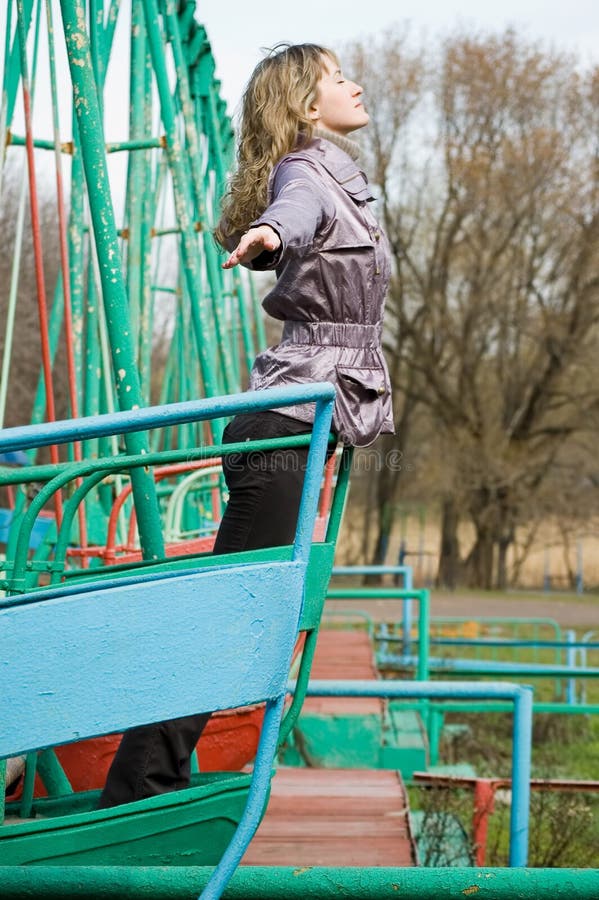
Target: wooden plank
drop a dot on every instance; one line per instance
(334, 817)
(343, 655)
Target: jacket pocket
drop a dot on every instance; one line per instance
(360, 404)
(370, 380)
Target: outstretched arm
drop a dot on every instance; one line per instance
(252, 244)
(300, 206)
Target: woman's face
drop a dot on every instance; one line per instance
(337, 106)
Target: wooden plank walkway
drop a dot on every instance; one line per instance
(334, 817)
(343, 654)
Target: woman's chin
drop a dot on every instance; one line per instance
(364, 120)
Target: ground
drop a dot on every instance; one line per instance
(569, 610)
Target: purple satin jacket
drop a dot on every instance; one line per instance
(332, 276)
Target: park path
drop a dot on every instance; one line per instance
(569, 613)
(581, 614)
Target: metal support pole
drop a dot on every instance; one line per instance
(520, 696)
(181, 188)
(422, 670)
(407, 613)
(521, 759)
(435, 727)
(484, 804)
(115, 298)
(571, 663)
(384, 593)
(213, 270)
(406, 573)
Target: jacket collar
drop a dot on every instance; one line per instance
(340, 166)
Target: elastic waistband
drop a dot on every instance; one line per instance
(334, 334)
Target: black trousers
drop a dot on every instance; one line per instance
(264, 496)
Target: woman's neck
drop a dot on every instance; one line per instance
(350, 147)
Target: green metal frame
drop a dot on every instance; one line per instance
(179, 149)
(278, 883)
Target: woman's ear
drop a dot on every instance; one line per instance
(314, 113)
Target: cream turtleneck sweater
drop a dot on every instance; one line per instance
(344, 143)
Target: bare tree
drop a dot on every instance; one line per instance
(394, 78)
(489, 179)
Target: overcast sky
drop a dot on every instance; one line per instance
(237, 30)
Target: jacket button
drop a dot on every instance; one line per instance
(377, 235)
(381, 390)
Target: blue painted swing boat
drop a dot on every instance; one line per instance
(109, 649)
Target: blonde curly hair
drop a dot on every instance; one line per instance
(274, 120)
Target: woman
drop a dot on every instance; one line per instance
(298, 204)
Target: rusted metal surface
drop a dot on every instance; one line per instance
(186, 882)
(536, 784)
(341, 655)
(334, 817)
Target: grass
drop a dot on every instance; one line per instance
(564, 826)
(546, 689)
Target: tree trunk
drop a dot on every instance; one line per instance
(386, 488)
(385, 522)
(449, 554)
(479, 565)
(382, 544)
(502, 548)
(505, 537)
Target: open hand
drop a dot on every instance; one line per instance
(252, 244)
